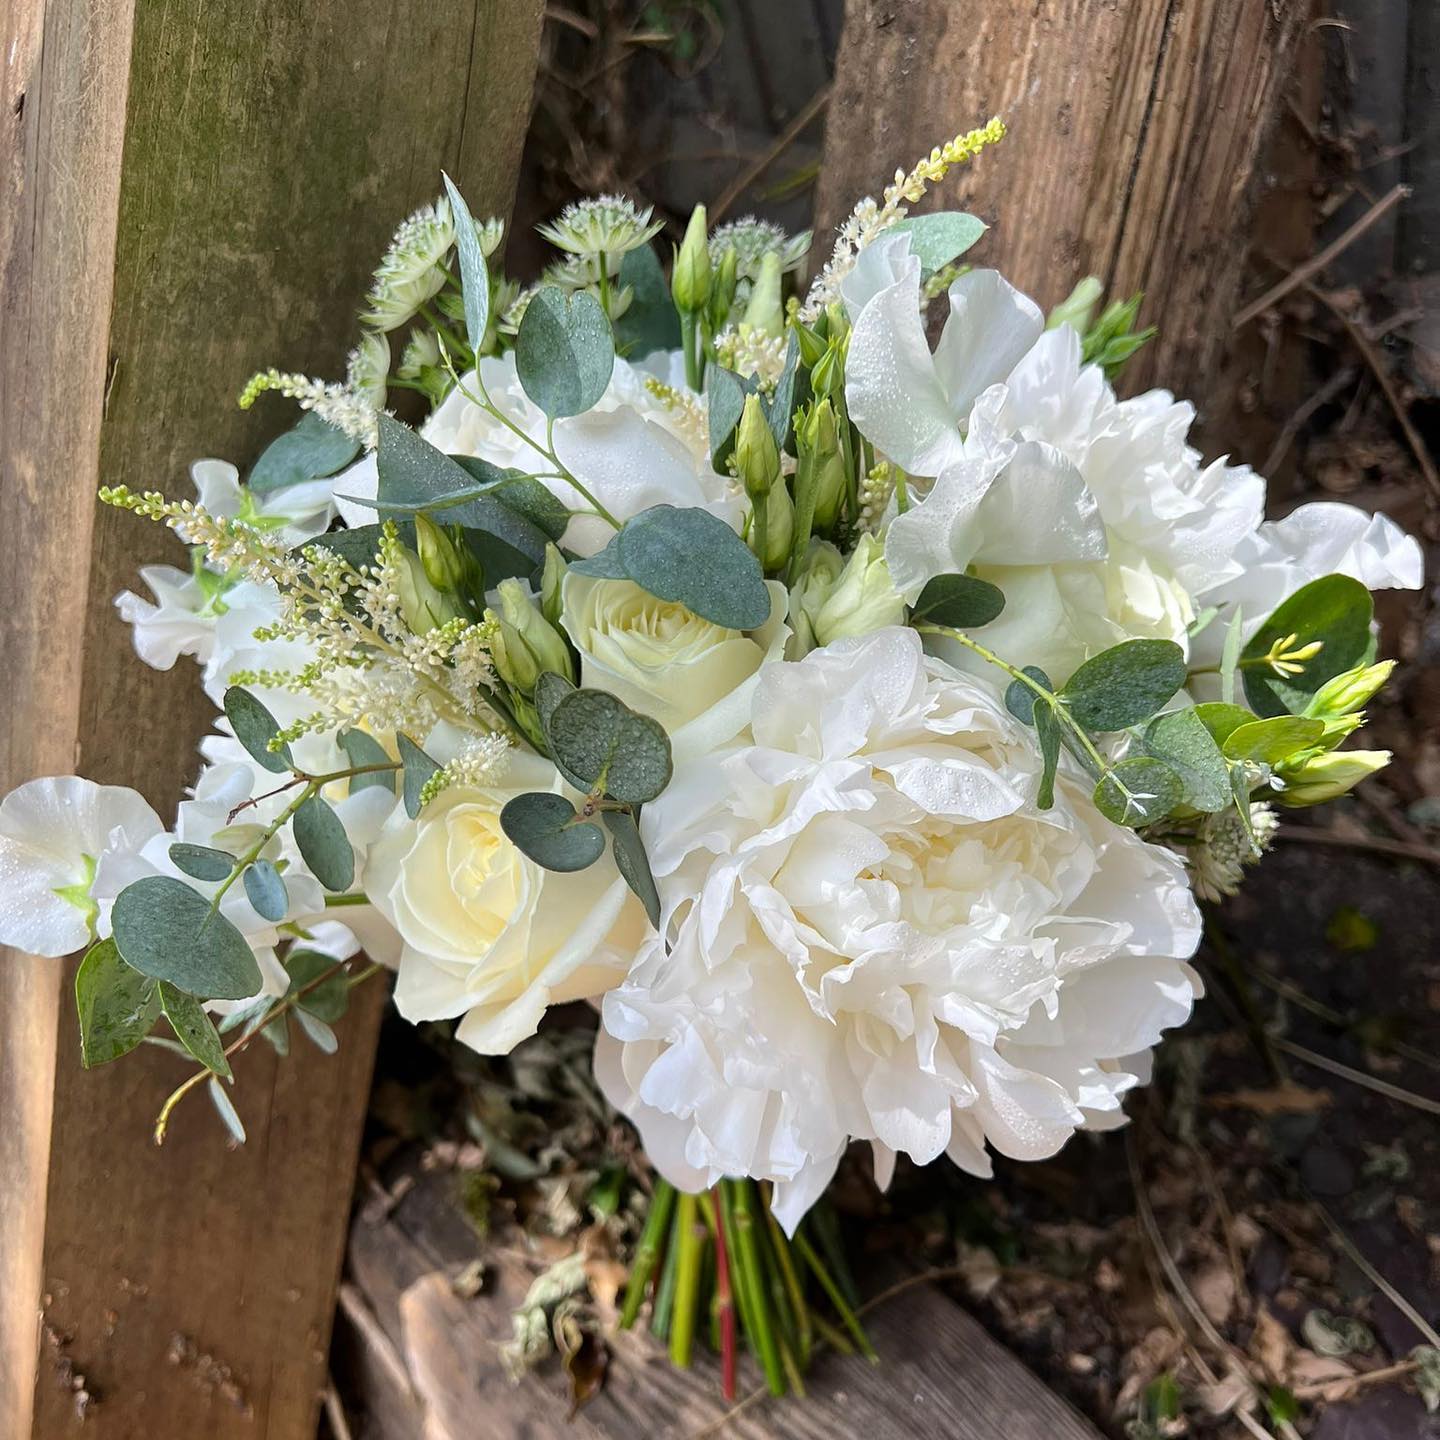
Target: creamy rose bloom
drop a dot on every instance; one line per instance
(658, 657)
(873, 932)
(489, 935)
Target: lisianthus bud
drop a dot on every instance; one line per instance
(865, 598)
(779, 527)
(554, 572)
(690, 281)
(827, 376)
(438, 555)
(818, 575)
(424, 606)
(757, 457)
(1338, 701)
(1077, 307)
(765, 311)
(722, 289)
(824, 440)
(1329, 774)
(526, 644)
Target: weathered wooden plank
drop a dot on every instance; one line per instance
(941, 1377)
(233, 212)
(1135, 136)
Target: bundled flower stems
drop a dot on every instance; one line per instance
(855, 724)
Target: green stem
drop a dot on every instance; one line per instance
(437, 321)
(748, 1257)
(605, 283)
(796, 1295)
(832, 1290)
(647, 1251)
(312, 788)
(690, 1242)
(665, 1291)
(762, 527)
(902, 493)
(339, 902)
(694, 377)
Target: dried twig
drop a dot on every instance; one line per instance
(335, 1413)
(1317, 262)
(1376, 1278)
(787, 137)
(1292, 427)
(1357, 1077)
(1401, 849)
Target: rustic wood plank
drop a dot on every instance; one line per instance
(941, 1377)
(1135, 136)
(234, 211)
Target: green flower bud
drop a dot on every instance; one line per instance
(1328, 774)
(1340, 701)
(779, 527)
(554, 572)
(722, 290)
(865, 598)
(827, 375)
(757, 457)
(824, 441)
(818, 575)
(423, 605)
(765, 311)
(439, 556)
(690, 280)
(1077, 307)
(526, 644)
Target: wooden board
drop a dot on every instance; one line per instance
(154, 256)
(1135, 136)
(425, 1362)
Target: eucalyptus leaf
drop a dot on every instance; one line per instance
(650, 321)
(1274, 740)
(254, 728)
(780, 406)
(226, 1110)
(564, 352)
(1124, 685)
(265, 889)
(1334, 611)
(312, 450)
(168, 931)
(363, 749)
(1020, 699)
(194, 1029)
(1183, 742)
(1221, 719)
(962, 602)
(1230, 655)
(330, 997)
(201, 862)
(602, 741)
(1047, 731)
(277, 1035)
(546, 827)
(474, 273)
(323, 844)
(550, 690)
(632, 861)
(1154, 790)
(117, 1005)
(725, 392)
(318, 1032)
(522, 493)
(940, 237)
(418, 768)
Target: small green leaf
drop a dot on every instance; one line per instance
(940, 237)
(194, 1029)
(362, 749)
(1125, 685)
(522, 493)
(117, 1005)
(1272, 741)
(227, 1112)
(201, 862)
(419, 767)
(1334, 611)
(1230, 655)
(779, 407)
(602, 741)
(277, 1034)
(1139, 791)
(265, 889)
(962, 602)
(564, 353)
(474, 274)
(650, 321)
(1047, 731)
(330, 998)
(1183, 742)
(323, 844)
(168, 931)
(1020, 699)
(726, 392)
(632, 861)
(318, 1032)
(313, 450)
(1220, 719)
(547, 829)
(254, 728)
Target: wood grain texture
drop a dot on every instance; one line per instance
(233, 212)
(1136, 128)
(941, 1377)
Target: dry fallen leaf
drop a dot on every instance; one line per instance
(1288, 1099)
(1214, 1288)
(1271, 1345)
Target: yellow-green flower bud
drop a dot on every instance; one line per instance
(824, 440)
(1077, 307)
(1340, 697)
(865, 598)
(779, 527)
(526, 644)
(722, 289)
(757, 457)
(423, 605)
(440, 557)
(554, 572)
(1329, 774)
(827, 377)
(818, 575)
(765, 311)
(690, 280)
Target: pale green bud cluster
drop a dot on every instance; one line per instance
(526, 644)
(864, 599)
(691, 277)
(1340, 702)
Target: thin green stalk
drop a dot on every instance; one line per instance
(902, 491)
(825, 1227)
(605, 283)
(781, 1246)
(665, 1290)
(748, 1265)
(647, 1251)
(253, 853)
(694, 377)
(832, 1291)
(437, 322)
(689, 1243)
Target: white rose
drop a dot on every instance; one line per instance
(658, 657)
(488, 934)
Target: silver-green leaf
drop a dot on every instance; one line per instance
(194, 1029)
(117, 1005)
(265, 889)
(564, 352)
(168, 931)
(547, 829)
(255, 727)
(323, 844)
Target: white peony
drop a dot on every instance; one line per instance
(55, 834)
(873, 932)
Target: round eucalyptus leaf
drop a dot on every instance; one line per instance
(362, 749)
(255, 727)
(963, 602)
(326, 998)
(547, 828)
(1125, 685)
(323, 844)
(265, 889)
(168, 931)
(1183, 742)
(940, 237)
(310, 451)
(564, 352)
(603, 742)
(418, 768)
(201, 862)
(1139, 792)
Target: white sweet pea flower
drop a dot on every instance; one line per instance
(871, 931)
(55, 833)
(180, 621)
(296, 514)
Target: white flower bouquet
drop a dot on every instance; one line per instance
(855, 723)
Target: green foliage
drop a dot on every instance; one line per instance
(227, 1112)
(632, 861)
(1112, 339)
(201, 862)
(330, 998)
(312, 450)
(940, 237)
(117, 1005)
(547, 828)
(194, 1029)
(522, 493)
(962, 602)
(649, 322)
(1273, 741)
(1047, 732)
(1124, 685)
(474, 274)
(265, 889)
(418, 767)
(323, 844)
(168, 931)
(362, 749)
(726, 392)
(1334, 612)
(255, 728)
(1183, 742)
(604, 743)
(1222, 720)
(564, 353)
(1020, 698)
(1138, 791)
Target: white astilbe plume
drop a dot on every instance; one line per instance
(345, 406)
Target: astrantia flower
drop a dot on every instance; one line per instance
(368, 368)
(752, 240)
(54, 834)
(872, 931)
(606, 225)
(411, 273)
